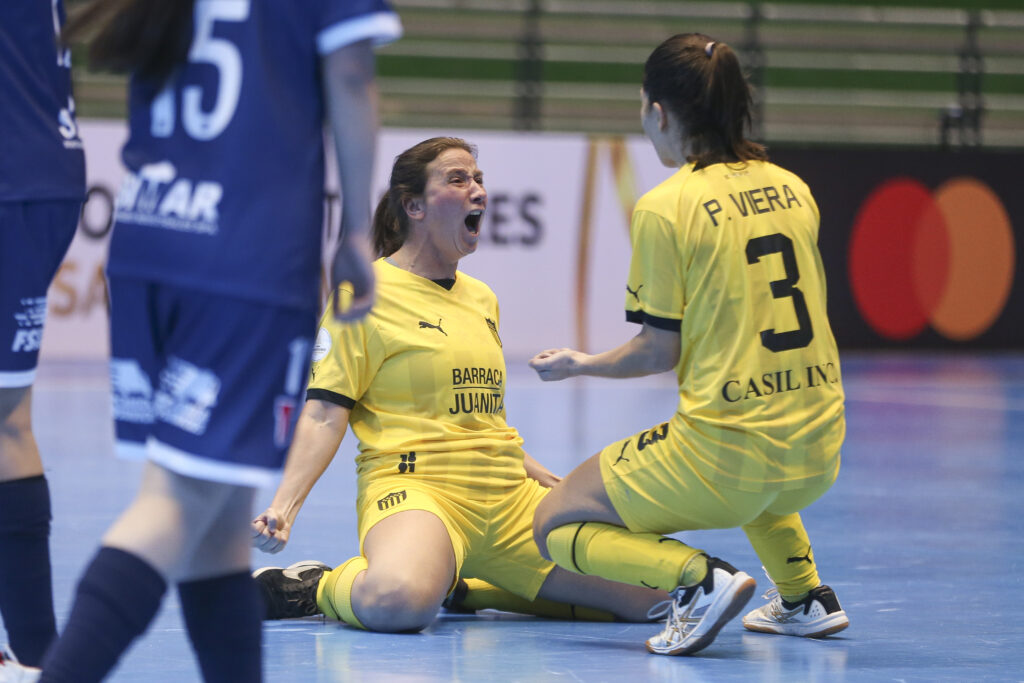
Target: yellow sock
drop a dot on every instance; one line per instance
(620, 555)
(482, 595)
(334, 592)
(782, 544)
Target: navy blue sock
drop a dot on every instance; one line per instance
(26, 590)
(224, 619)
(117, 597)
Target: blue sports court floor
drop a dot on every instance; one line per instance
(922, 537)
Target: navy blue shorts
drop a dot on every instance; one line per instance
(34, 237)
(205, 385)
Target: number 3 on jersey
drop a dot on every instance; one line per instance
(786, 287)
(222, 55)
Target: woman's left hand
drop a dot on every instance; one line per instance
(536, 471)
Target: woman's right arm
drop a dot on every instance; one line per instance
(320, 429)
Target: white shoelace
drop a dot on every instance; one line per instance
(772, 592)
(662, 608)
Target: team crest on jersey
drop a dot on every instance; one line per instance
(157, 197)
(391, 500)
(494, 331)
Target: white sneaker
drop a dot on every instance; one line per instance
(13, 672)
(816, 616)
(697, 613)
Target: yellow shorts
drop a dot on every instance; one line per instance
(493, 541)
(654, 488)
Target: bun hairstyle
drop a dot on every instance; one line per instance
(408, 179)
(700, 81)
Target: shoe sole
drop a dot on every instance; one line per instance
(834, 625)
(293, 570)
(263, 570)
(743, 589)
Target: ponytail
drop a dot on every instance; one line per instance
(729, 101)
(149, 38)
(388, 231)
(700, 80)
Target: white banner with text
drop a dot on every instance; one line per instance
(554, 244)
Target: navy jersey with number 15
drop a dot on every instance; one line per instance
(224, 190)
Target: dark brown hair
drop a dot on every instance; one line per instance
(147, 37)
(700, 81)
(408, 179)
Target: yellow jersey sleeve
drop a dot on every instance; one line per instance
(346, 358)
(654, 292)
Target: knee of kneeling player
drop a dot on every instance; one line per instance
(399, 604)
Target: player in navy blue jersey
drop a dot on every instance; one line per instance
(42, 184)
(214, 285)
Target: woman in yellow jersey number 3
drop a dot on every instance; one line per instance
(445, 489)
(728, 284)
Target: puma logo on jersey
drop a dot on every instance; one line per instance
(801, 558)
(424, 323)
(635, 292)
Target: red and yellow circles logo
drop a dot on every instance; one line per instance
(944, 258)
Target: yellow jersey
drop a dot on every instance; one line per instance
(424, 375)
(727, 256)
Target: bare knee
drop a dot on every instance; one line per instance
(396, 601)
(543, 523)
(11, 399)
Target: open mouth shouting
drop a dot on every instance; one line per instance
(473, 221)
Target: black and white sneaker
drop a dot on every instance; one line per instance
(290, 593)
(453, 602)
(697, 613)
(816, 616)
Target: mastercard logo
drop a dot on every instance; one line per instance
(942, 258)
